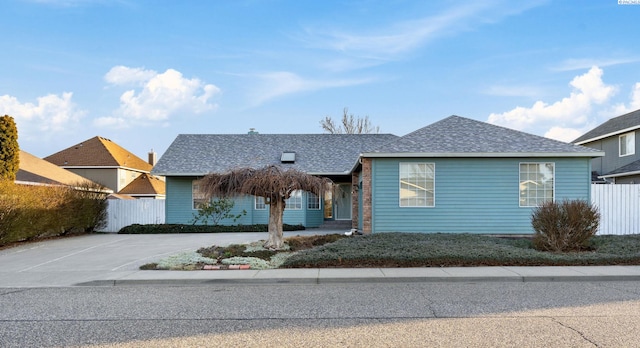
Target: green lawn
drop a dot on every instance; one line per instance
(409, 250)
(438, 250)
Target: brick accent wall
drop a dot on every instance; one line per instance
(354, 200)
(366, 195)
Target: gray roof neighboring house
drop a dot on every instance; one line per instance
(617, 125)
(632, 168)
(321, 154)
(457, 136)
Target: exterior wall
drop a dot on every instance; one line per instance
(179, 208)
(612, 159)
(473, 195)
(631, 179)
(105, 176)
(113, 178)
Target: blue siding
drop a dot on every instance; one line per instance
(179, 210)
(471, 195)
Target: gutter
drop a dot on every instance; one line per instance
(622, 131)
(481, 154)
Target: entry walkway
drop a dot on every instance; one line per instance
(114, 260)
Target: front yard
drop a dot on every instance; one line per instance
(405, 250)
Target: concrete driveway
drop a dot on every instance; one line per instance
(73, 260)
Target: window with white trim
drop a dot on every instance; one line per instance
(313, 201)
(537, 183)
(627, 144)
(260, 203)
(417, 184)
(294, 202)
(198, 197)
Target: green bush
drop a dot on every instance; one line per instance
(179, 228)
(566, 226)
(31, 212)
(216, 211)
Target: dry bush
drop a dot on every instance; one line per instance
(566, 226)
(32, 211)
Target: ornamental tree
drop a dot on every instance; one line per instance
(273, 183)
(9, 150)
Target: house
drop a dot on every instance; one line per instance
(455, 176)
(618, 139)
(145, 186)
(36, 171)
(105, 162)
(192, 156)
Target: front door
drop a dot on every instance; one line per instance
(342, 202)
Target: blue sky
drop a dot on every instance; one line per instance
(142, 72)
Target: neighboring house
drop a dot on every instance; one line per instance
(457, 175)
(145, 186)
(619, 139)
(36, 171)
(105, 162)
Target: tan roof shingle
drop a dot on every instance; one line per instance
(145, 184)
(36, 170)
(98, 152)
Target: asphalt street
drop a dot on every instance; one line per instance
(484, 314)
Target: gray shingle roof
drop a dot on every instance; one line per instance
(461, 136)
(631, 168)
(612, 126)
(200, 154)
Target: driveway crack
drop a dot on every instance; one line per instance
(557, 321)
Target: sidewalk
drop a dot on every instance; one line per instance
(351, 275)
(114, 260)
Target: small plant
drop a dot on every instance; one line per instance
(566, 226)
(215, 211)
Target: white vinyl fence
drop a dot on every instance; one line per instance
(619, 207)
(121, 213)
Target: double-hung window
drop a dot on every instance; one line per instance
(537, 183)
(198, 197)
(313, 201)
(294, 202)
(417, 184)
(260, 203)
(627, 144)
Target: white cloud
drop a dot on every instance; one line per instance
(634, 104)
(158, 97)
(280, 83)
(388, 42)
(563, 118)
(586, 63)
(564, 134)
(51, 113)
(122, 75)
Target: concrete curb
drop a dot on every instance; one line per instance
(337, 280)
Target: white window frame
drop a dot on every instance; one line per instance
(532, 178)
(294, 202)
(630, 140)
(403, 202)
(197, 197)
(313, 201)
(260, 203)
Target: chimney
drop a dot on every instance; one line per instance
(152, 158)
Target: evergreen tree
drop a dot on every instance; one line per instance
(9, 150)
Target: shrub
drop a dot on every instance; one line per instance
(31, 212)
(566, 226)
(179, 228)
(215, 211)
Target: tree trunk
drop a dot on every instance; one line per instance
(276, 210)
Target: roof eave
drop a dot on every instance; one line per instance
(618, 132)
(481, 154)
(617, 175)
